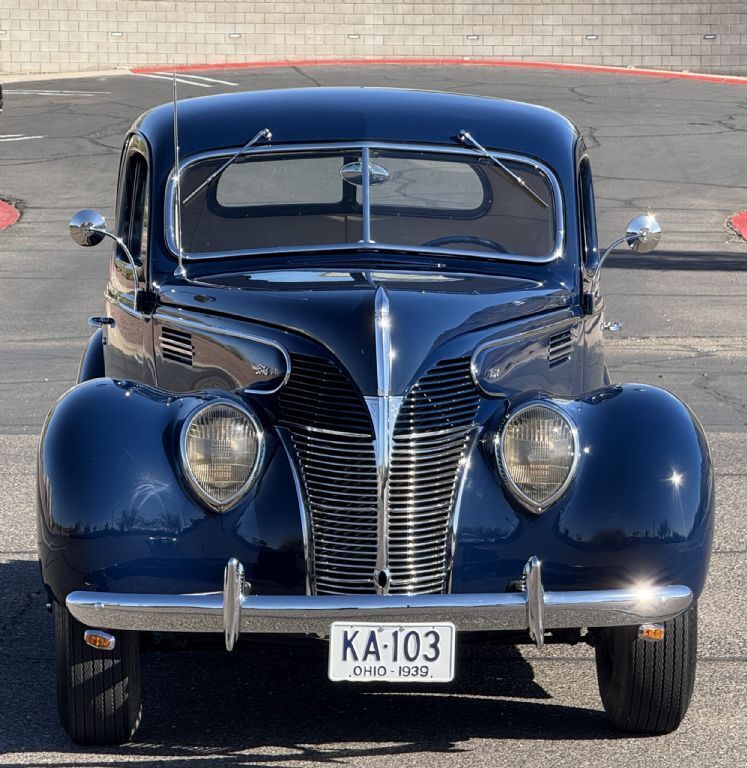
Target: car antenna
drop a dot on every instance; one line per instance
(180, 270)
(465, 137)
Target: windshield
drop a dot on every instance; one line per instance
(418, 200)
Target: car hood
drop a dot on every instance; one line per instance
(336, 308)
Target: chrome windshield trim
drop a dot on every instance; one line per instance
(558, 206)
(366, 193)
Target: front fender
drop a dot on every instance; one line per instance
(640, 509)
(92, 360)
(115, 513)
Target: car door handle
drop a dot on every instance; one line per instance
(612, 326)
(100, 322)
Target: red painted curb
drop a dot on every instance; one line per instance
(633, 72)
(9, 215)
(739, 223)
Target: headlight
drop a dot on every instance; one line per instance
(221, 448)
(537, 452)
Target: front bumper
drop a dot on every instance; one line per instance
(235, 610)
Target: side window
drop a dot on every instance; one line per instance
(588, 212)
(133, 206)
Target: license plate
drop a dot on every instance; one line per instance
(365, 653)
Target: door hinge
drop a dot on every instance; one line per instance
(146, 302)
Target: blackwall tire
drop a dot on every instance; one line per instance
(646, 687)
(98, 692)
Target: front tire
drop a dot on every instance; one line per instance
(98, 692)
(646, 686)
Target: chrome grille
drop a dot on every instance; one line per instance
(430, 435)
(333, 437)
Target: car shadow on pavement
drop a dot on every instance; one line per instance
(272, 703)
(710, 261)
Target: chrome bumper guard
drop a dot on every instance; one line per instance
(235, 610)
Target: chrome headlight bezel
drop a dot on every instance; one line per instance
(220, 505)
(498, 450)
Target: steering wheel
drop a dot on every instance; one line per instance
(451, 239)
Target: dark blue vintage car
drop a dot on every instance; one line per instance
(350, 384)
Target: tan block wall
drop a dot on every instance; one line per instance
(76, 35)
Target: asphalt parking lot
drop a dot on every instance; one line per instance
(675, 147)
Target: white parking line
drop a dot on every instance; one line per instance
(18, 137)
(170, 78)
(46, 92)
(199, 77)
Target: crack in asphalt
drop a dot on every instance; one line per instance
(13, 616)
(306, 76)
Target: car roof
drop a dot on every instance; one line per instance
(301, 115)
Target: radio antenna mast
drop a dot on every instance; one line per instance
(180, 270)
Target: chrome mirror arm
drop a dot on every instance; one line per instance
(643, 235)
(596, 272)
(88, 227)
(121, 243)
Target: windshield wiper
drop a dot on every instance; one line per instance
(265, 133)
(466, 137)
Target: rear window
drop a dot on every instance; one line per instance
(416, 199)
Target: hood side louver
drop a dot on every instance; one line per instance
(559, 348)
(176, 346)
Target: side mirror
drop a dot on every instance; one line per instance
(88, 227)
(643, 234)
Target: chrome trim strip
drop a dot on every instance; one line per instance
(558, 207)
(323, 431)
(130, 310)
(178, 346)
(366, 193)
(520, 496)
(383, 330)
(313, 614)
(287, 444)
(174, 320)
(384, 410)
(216, 504)
(454, 522)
